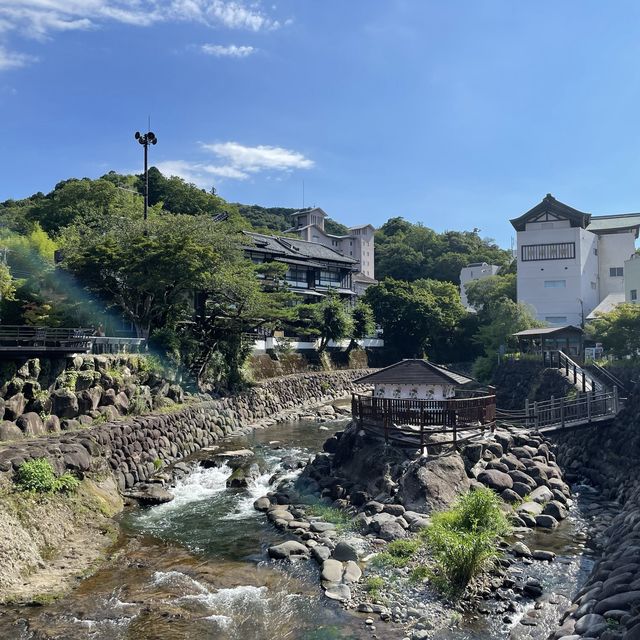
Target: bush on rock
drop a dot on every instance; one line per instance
(464, 539)
(38, 476)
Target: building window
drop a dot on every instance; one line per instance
(555, 284)
(593, 285)
(595, 251)
(328, 278)
(616, 272)
(634, 294)
(556, 319)
(552, 251)
(297, 278)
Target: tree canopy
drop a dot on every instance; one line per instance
(408, 251)
(618, 330)
(418, 318)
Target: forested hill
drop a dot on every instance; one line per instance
(279, 218)
(404, 250)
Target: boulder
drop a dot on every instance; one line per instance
(14, 406)
(555, 509)
(352, 572)
(64, 403)
(531, 508)
(541, 495)
(521, 489)
(546, 522)
(262, 504)
(121, 403)
(332, 571)
(521, 550)
(288, 550)
(510, 496)
(151, 494)
(31, 424)
(542, 554)
(345, 552)
(320, 553)
(433, 483)
(339, 592)
(9, 431)
(496, 480)
(89, 399)
(391, 530)
(473, 452)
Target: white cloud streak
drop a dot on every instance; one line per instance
(237, 162)
(13, 60)
(41, 19)
(227, 51)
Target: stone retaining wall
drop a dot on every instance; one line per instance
(134, 447)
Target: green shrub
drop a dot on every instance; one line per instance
(398, 553)
(157, 464)
(418, 574)
(330, 514)
(38, 476)
(464, 540)
(373, 586)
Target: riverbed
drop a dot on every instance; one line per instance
(196, 568)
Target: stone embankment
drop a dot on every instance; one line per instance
(608, 605)
(134, 449)
(43, 396)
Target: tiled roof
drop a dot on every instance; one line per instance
(415, 371)
(545, 331)
(606, 223)
(295, 248)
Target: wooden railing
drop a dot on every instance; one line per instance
(582, 409)
(413, 422)
(581, 378)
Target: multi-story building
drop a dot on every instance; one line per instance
(357, 244)
(474, 271)
(570, 261)
(312, 268)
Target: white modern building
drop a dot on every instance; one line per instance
(632, 279)
(357, 244)
(570, 261)
(474, 271)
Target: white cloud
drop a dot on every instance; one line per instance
(260, 158)
(230, 51)
(13, 60)
(40, 19)
(237, 162)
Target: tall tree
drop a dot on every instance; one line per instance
(618, 330)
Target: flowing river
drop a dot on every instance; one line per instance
(196, 568)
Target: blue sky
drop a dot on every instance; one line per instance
(456, 114)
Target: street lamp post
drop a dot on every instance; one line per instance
(145, 139)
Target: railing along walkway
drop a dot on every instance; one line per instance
(560, 413)
(572, 371)
(419, 423)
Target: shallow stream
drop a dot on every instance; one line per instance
(196, 568)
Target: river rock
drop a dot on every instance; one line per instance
(555, 509)
(546, 522)
(149, 494)
(521, 550)
(332, 571)
(289, 550)
(339, 592)
(496, 480)
(433, 483)
(352, 572)
(532, 508)
(391, 530)
(321, 527)
(9, 431)
(541, 554)
(541, 495)
(345, 552)
(262, 504)
(320, 553)
(591, 624)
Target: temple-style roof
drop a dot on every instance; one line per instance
(311, 210)
(549, 210)
(415, 371)
(547, 331)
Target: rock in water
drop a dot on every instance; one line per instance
(433, 483)
(149, 494)
(288, 550)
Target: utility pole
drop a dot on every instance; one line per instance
(145, 139)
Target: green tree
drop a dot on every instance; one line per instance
(148, 270)
(332, 320)
(506, 318)
(363, 323)
(618, 330)
(485, 294)
(416, 317)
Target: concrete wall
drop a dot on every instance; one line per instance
(632, 279)
(613, 250)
